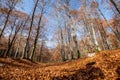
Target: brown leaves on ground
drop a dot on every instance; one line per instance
(103, 66)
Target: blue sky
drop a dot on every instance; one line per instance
(27, 6)
(75, 4)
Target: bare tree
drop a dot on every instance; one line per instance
(19, 40)
(13, 39)
(38, 30)
(30, 29)
(11, 5)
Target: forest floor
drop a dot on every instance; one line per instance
(105, 65)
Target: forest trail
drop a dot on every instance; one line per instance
(105, 65)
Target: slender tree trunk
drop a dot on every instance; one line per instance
(87, 31)
(108, 23)
(73, 29)
(6, 21)
(11, 6)
(105, 36)
(74, 37)
(12, 41)
(62, 45)
(41, 51)
(67, 43)
(95, 38)
(16, 53)
(93, 35)
(30, 29)
(37, 35)
(9, 39)
(69, 49)
(23, 53)
(19, 40)
(115, 5)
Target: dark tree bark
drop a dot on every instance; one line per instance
(38, 31)
(30, 29)
(13, 39)
(13, 4)
(115, 5)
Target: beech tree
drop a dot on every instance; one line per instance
(10, 5)
(30, 29)
(72, 26)
(39, 26)
(10, 43)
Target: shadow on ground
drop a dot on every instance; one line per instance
(118, 72)
(88, 73)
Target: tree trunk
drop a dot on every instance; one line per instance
(107, 22)
(9, 40)
(37, 35)
(11, 7)
(115, 5)
(12, 41)
(74, 37)
(62, 45)
(95, 39)
(30, 29)
(6, 21)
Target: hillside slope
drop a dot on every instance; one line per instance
(103, 66)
